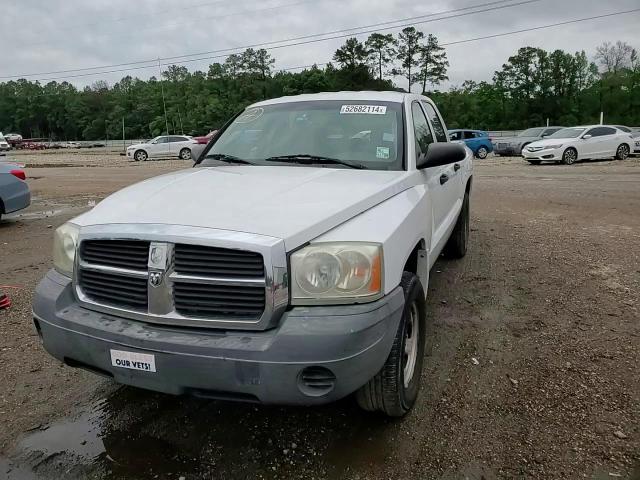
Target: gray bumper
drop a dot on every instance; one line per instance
(352, 342)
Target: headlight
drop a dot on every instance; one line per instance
(551, 147)
(328, 273)
(65, 241)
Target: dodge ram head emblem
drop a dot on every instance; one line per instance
(155, 279)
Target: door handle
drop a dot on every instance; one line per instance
(456, 167)
(444, 178)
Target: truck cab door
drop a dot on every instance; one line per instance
(440, 181)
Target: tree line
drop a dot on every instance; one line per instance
(532, 86)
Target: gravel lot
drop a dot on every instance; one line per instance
(546, 303)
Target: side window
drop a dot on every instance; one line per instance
(424, 138)
(176, 139)
(455, 136)
(438, 126)
(608, 131)
(601, 131)
(550, 131)
(467, 135)
(163, 140)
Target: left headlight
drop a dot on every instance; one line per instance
(552, 147)
(336, 273)
(65, 241)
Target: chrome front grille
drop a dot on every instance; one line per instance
(217, 262)
(222, 283)
(114, 289)
(130, 254)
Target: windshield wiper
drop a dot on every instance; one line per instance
(223, 157)
(306, 159)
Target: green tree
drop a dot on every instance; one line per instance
(433, 63)
(409, 53)
(381, 51)
(351, 55)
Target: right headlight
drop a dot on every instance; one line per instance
(336, 273)
(65, 241)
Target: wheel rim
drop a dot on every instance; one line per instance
(186, 154)
(482, 152)
(622, 152)
(410, 354)
(570, 156)
(140, 156)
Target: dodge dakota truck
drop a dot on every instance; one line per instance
(289, 266)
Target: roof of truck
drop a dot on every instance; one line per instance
(396, 97)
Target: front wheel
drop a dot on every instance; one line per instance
(569, 156)
(185, 154)
(394, 389)
(140, 156)
(622, 152)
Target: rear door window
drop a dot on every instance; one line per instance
(423, 134)
(436, 122)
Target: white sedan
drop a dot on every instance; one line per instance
(578, 143)
(176, 146)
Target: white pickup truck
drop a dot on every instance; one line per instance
(289, 266)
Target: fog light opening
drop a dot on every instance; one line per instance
(316, 381)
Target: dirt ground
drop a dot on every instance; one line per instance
(534, 373)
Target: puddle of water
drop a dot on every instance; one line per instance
(144, 435)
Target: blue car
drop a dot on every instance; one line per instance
(14, 191)
(477, 140)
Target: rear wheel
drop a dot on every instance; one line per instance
(394, 389)
(140, 156)
(456, 246)
(569, 156)
(185, 154)
(482, 153)
(622, 152)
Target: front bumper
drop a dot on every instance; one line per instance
(636, 148)
(549, 155)
(507, 149)
(351, 342)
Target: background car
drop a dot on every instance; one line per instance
(477, 140)
(514, 145)
(4, 144)
(13, 137)
(578, 143)
(14, 190)
(635, 134)
(201, 143)
(178, 146)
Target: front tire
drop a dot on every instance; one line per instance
(394, 389)
(622, 153)
(482, 153)
(140, 156)
(569, 156)
(185, 154)
(456, 246)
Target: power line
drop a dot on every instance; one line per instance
(494, 4)
(514, 32)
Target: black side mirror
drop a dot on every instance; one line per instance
(441, 154)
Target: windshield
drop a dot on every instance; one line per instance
(568, 133)
(531, 132)
(367, 134)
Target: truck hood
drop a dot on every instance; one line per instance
(292, 203)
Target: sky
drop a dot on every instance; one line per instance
(42, 36)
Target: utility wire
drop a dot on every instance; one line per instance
(514, 32)
(495, 4)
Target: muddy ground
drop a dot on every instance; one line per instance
(534, 373)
